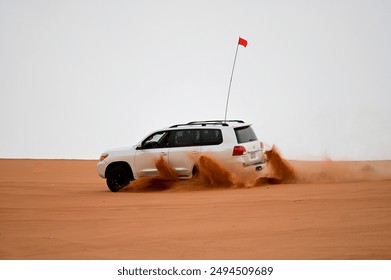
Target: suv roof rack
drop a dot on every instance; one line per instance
(211, 122)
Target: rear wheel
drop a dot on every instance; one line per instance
(118, 178)
(195, 171)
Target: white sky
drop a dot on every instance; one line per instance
(78, 77)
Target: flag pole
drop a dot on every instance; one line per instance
(230, 81)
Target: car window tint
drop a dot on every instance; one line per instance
(245, 134)
(211, 137)
(186, 137)
(156, 140)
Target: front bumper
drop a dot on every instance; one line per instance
(101, 168)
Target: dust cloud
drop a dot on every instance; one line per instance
(278, 170)
(212, 174)
(165, 179)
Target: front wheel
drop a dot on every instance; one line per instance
(117, 178)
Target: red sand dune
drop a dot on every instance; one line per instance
(61, 209)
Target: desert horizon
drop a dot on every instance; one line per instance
(61, 209)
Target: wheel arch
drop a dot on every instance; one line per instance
(122, 164)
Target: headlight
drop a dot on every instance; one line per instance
(103, 156)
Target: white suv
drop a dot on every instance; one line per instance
(180, 145)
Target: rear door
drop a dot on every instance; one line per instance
(212, 144)
(184, 151)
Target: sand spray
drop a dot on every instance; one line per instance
(212, 174)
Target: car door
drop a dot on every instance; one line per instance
(184, 151)
(151, 150)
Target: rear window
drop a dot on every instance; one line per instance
(245, 134)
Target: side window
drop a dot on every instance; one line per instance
(211, 137)
(185, 138)
(156, 140)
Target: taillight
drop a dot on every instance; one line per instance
(239, 151)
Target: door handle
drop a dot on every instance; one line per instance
(163, 153)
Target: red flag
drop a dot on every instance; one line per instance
(242, 42)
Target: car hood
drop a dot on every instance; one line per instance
(119, 151)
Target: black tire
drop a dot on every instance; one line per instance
(118, 178)
(195, 171)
